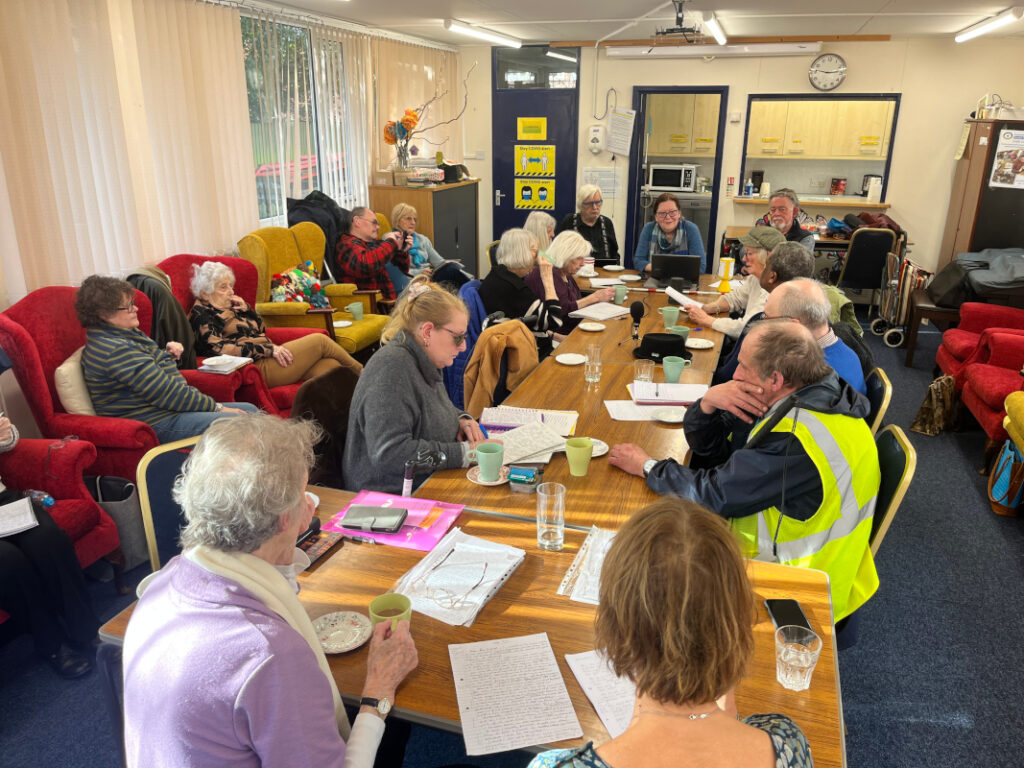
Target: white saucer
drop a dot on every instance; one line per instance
(669, 415)
(474, 476)
(587, 273)
(592, 326)
(570, 358)
(342, 323)
(630, 278)
(600, 448)
(342, 631)
(699, 344)
(315, 498)
(615, 268)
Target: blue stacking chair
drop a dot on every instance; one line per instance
(162, 518)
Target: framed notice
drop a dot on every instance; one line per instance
(1008, 165)
(531, 128)
(535, 160)
(535, 194)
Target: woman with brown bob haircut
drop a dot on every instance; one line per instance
(675, 616)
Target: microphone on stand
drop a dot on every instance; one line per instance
(636, 310)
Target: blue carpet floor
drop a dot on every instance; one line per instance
(934, 682)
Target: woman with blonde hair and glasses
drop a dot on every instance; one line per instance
(675, 616)
(596, 229)
(400, 409)
(423, 257)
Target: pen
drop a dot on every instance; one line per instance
(484, 430)
(362, 539)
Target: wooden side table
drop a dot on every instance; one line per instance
(921, 308)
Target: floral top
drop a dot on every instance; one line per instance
(791, 747)
(229, 332)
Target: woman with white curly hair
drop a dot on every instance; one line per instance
(567, 252)
(220, 634)
(224, 324)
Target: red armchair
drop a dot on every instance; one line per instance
(987, 384)
(39, 333)
(58, 471)
(179, 268)
(963, 345)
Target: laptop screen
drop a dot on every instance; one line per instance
(665, 266)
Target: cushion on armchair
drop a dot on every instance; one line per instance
(71, 387)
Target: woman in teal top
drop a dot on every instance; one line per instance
(675, 616)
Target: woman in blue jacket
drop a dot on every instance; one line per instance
(670, 232)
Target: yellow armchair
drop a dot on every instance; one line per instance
(274, 250)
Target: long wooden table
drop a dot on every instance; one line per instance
(607, 496)
(354, 573)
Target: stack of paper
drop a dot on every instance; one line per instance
(582, 581)
(602, 310)
(454, 582)
(16, 517)
(224, 363)
(533, 440)
(506, 417)
(661, 393)
(604, 282)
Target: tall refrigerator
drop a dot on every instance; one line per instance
(986, 210)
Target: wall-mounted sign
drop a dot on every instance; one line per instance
(1008, 166)
(532, 128)
(535, 194)
(535, 160)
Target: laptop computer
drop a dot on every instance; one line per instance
(665, 266)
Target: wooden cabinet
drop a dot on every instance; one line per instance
(705, 124)
(671, 116)
(766, 130)
(448, 215)
(861, 128)
(809, 129)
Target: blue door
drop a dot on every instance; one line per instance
(534, 118)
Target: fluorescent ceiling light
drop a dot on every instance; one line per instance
(1008, 16)
(711, 25)
(701, 51)
(484, 34)
(561, 56)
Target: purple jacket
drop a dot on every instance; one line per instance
(212, 677)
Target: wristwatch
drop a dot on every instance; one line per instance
(218, 407)
(383, 706)
(648, 466)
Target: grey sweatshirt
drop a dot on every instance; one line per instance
(400, 407)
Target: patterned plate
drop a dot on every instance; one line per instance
(342, 631)
(474, 476)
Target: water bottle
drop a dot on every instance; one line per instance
(748, 188)
(42, 497)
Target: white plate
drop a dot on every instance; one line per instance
(669, 415)
(615, 268)
(699, 344)
(600, 448)
(213, 362)
(592, 327)
(630, 278)
(474, 476)
(342, 631)
(315, 498)
(342, 323)
(587, 273)
(570, 358)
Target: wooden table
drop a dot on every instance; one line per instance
(606, 496)
(527, 604)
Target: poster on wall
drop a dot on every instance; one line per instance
(1008, 166)
(535, 160)
(531, 129)
(620, 131)
(535, 194)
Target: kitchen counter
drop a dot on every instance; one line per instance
(822, 201)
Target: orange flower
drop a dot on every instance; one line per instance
(410, 119)
(389, 133)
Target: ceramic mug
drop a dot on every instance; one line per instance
(674, 367)
(489, 457)
(355, 309)
(671, 315)
(680, 330)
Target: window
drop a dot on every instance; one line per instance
(532, 67)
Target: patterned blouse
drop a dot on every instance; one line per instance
(229, 332)
(791, 747)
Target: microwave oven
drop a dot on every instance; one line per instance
(671, 178)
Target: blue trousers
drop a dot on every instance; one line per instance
(192, 423)
(398, 278)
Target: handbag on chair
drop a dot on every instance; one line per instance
(1006, 481)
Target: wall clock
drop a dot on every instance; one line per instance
(827, 72)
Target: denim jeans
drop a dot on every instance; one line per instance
(398, 278)
(191, 423)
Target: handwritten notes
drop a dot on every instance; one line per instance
(613, 697)
(511, 694)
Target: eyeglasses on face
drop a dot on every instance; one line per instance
(778, 208)
(129, 308)
(458, 338)
(666, 214)
(370, 220)
(592, 203)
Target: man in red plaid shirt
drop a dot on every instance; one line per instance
(362, 258)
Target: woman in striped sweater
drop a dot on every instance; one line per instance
(129, 377)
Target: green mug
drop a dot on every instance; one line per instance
(579, 450)
(391, 607)
(489, 457)
(671, 315)
(680, 330)
(355, 309)
(620, 293)
(674, 367)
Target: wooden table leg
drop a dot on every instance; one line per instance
(912, 327)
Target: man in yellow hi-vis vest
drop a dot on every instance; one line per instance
(785, 434)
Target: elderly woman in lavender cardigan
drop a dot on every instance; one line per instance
(222, 665)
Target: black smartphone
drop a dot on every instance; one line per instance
(785, 613)
(314, 527)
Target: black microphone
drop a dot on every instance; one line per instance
(636, 310)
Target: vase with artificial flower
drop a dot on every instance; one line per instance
(398, 132)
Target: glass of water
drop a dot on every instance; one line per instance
(592, 372)
(796, 653)
(550, 516)
(643, 370)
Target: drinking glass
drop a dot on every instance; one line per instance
(796, 653)
(550, 516)
(643, 370)
(592, 372)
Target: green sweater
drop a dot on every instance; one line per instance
(130, 377)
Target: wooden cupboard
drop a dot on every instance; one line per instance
(683, 124)
(861, 129)
(705, 124)
(820, 129)
(766, 128)
(809, 129)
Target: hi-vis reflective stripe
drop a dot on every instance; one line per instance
(535, 205)
(850, 515)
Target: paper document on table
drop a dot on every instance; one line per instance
(511, 694)
(582, 581)
(613, 697)
(529, 440)
(662, 393)
(16, 517)
(627, 410)
(506, 417)
(683, 299)
(734, 284)
(604, 282)
(602, 310)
